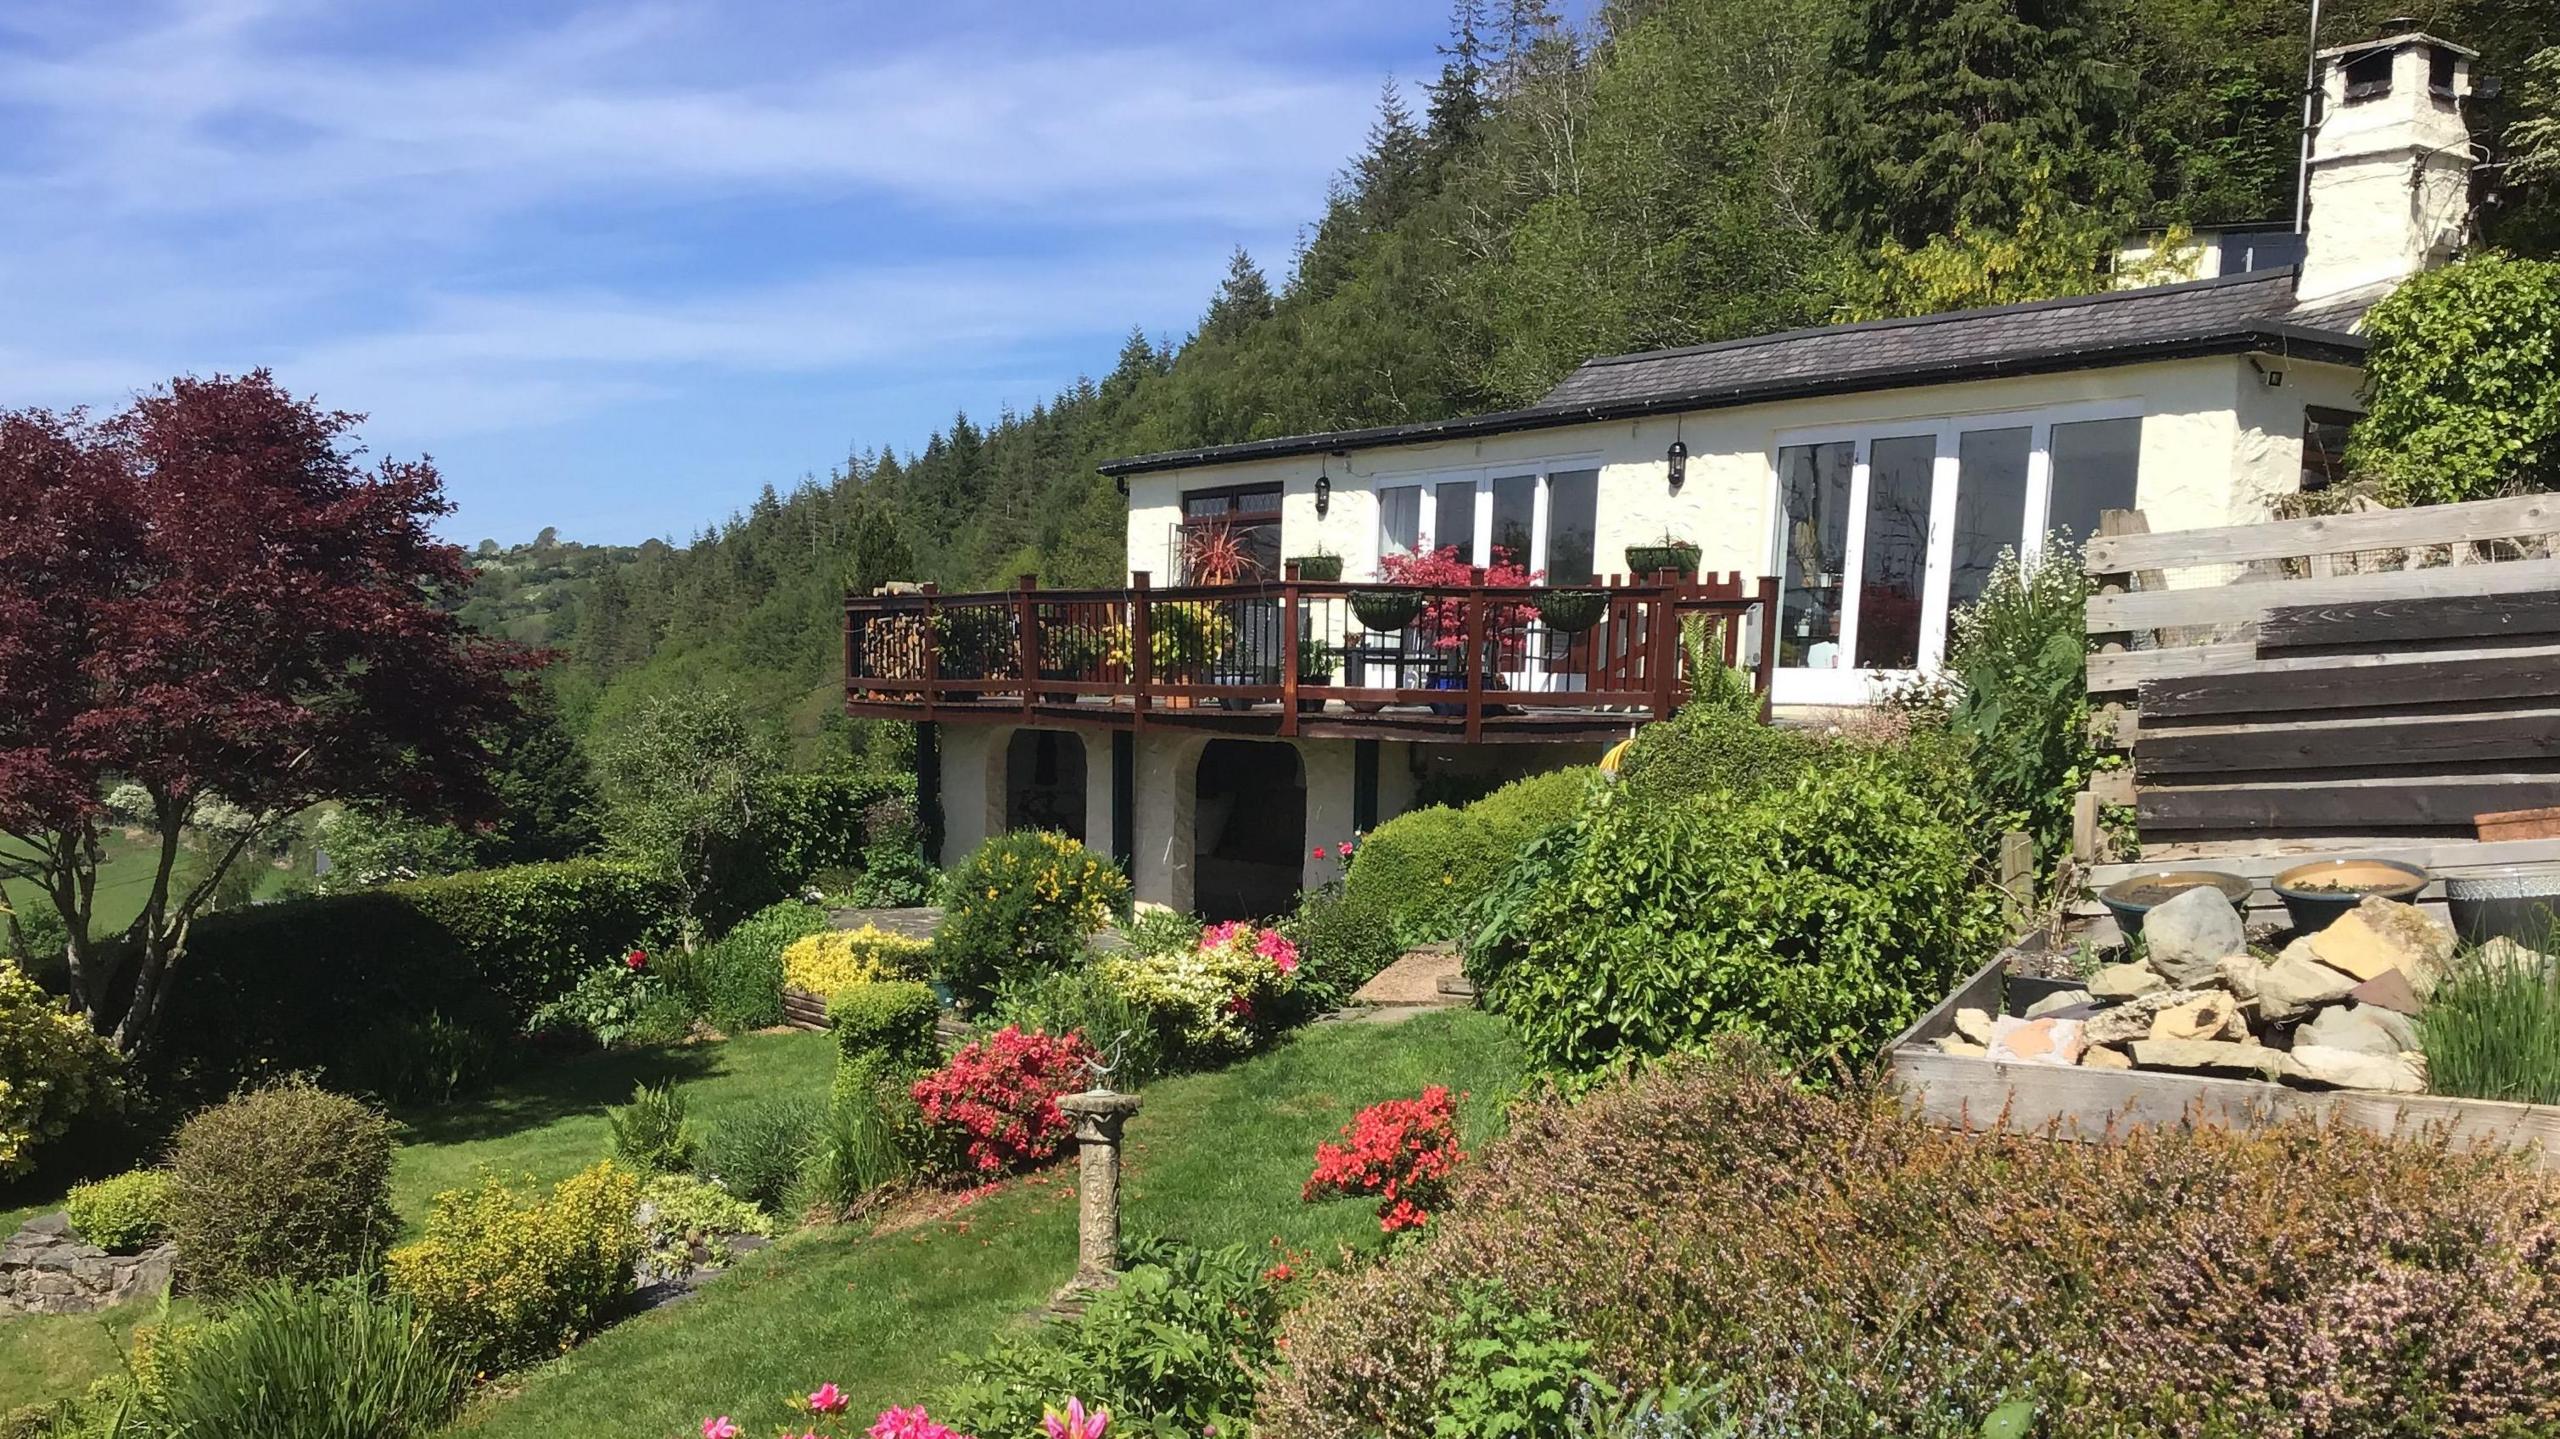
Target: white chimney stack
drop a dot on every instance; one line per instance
(2390, 177)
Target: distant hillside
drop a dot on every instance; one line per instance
(1686, 171)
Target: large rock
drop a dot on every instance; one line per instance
(2125, 981)
(2183, 937)
(2207, 1016)
(2360, 1029)
(2096, 1057)
(2289, 988)
(2059, 1000)
(2381, 934)
(2329, 1068)
(2207, 1056)
(1974, 1025)
(2131, 1020)
(2504, 952)
(2390, 990)
(2036, 1041)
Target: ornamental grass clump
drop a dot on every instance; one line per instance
(2491, 1030)
(996, 1102)
(1830, 1264)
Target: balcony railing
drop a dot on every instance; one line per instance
(1298, 656)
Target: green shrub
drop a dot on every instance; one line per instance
(288, 1361)
(1085, 999)
(126, 1212)
(1513, 1373)
(1421, 869)
(1825, 1257)
(2463, 385)
(742, 970)
(802, 824)
(832, 959)
(690, 1221)
(1822, 915)
(1343, 941)
(1157, 930)
(286, 1182)
(1175, 1348)
(757, 1153)
(2019, 660)
(1708, 748)
(651, 1133)
(885, 1029)
(617, 1004)
(863, 1144)
(1021, 904)
(53, 1070)
(505, 1277)
(2491, 1030)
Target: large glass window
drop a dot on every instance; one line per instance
(1991, 506)
(1453, 521)
(1573, 526)
(1896, 561)
(1515, 520)
(2094, 465)
(1399, 519)
(1813, 489)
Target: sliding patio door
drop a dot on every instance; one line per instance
(1885, 534)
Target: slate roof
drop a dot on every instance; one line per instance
(2233, 314)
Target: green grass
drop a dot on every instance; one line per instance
(54, 1356)
(1213, 1159)
(124, 882)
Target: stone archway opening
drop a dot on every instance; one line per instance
(1250, 829)
(1044, 785)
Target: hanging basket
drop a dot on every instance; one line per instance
(1387, 609)
(1571, 611)
(1326, 568)
(1646, 561)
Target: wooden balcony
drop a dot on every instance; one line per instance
(1296, 657)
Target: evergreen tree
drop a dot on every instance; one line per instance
(1456, 113)
(1243, 300)
(1949, 112)
(1389, 174)
(547, 806)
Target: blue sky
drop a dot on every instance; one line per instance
(617, 265)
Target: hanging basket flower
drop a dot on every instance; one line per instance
(1571, 611)
(1387, 609)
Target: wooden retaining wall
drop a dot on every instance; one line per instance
(2347, 681)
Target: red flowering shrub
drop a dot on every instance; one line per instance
(1401, 1150)
(998, 1097)
(1444, 621)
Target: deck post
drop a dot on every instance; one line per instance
(1662, 643)
(1768, 663)
(1026, 635)
(932, 652)
(1289, 650)
(1142, 660)
(1474, 661)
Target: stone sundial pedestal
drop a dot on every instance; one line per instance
(1099, 1115)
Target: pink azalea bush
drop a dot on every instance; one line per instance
(1214, 1000)
(820, 1413)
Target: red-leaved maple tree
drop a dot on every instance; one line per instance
(210, 596)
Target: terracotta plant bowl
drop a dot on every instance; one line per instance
(2136, 895)
(2316, 894)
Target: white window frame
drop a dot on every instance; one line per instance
(1846, 685)
(1480, 539)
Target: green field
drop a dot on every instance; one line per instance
(124, 882)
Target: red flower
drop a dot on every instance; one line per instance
(1318, 853)
(1001, 1096)
(637, 959)
(1401, 1150)
(1345, 849)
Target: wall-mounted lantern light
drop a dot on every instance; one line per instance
(1678, 459)
(1324, 489)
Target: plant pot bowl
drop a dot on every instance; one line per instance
(1327, 568)
(2517, 901)
(1310, 707)
(1571, 611)
(1646, 561)
(1447, 682)
(2316, 894)
(1387, 609)
(2136, 895)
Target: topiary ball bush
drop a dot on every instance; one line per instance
(1343, 941)
(1023, 904)
(1708, 749)
(123, 1213)
(886, 1026)
(286, 1182)
(1422, 869)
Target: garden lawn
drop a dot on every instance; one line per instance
(1213, 1159)
(548, 1122)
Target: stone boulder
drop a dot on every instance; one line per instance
(2208, 1056)
(2289, 988)
(2328, 1068)
(2207, 1016)
(2036, 1041)
(2186, 935)
(2125, 981)
(2358, 1029)
(2059, 1000)
(2380, 935)
(1974, 1025)
(2131, 1020)
(2096, 1057)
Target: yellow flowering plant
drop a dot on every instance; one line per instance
(53, 1069)
(1021, 904)
(831, 961)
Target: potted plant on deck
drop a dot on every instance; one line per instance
(1440, 576)
(1316, 661)
(1318, 566)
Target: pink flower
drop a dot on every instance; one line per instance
(721, 1428)
(1319, 851)
(1275, 947)
(1343, 849)
(1075, 1424)
(896, 1423)
(827, 1399)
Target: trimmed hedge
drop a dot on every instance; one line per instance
(286, 1182)
(1707, 748)
(1420, 870)
(328, 983)
(884, 1031)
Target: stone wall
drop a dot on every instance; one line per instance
(47, 1269)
